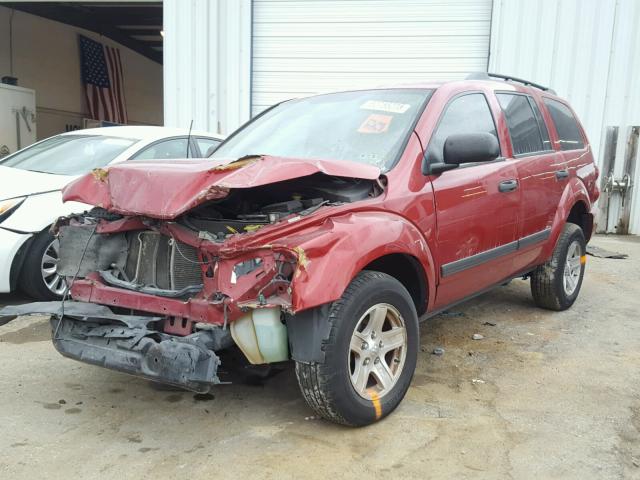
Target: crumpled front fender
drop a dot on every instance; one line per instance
(333, 253)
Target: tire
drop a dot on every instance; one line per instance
(328, 387)
(32, 277)
(550, 287)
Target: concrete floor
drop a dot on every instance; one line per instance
(543, 395)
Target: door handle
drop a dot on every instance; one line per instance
(562, 174)
(507, 186)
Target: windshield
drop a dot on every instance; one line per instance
(369, 126)
(69, 154)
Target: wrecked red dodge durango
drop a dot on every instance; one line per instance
(321, 232)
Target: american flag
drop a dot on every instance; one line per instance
(103, 81)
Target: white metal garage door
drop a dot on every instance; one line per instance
(301, 47)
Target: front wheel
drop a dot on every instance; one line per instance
(39, 277)
(555, 285)
(370, 354)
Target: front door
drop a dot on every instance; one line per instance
(477, 207)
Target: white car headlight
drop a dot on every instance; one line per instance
(7, 207)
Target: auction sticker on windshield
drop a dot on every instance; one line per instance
(391, 107)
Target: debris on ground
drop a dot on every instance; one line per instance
(477, 381)
(447, 313)
(438, 351)
(203, 397)
(603, 253)
(477, 336)
(489, 324)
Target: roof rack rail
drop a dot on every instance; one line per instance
(507, 78)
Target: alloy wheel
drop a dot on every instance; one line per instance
(572, 268)
(55, 282)
(377, 351)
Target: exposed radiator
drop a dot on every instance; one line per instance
(156, 260)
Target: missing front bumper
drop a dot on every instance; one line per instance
(187, 362)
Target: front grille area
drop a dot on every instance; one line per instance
(155, 260)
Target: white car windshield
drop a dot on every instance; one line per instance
(69, 154)
(368, 126)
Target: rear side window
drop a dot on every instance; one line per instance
(566, 125)
(165, 150)
(466, 114)
(527, 131)
(207, 145)
(546, 143)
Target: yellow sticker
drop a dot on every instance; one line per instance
(583, 259)
(376, 403)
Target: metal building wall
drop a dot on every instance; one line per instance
(589, 52)
(207, 63)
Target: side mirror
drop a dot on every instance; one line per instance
(467, 148)
(470, 148)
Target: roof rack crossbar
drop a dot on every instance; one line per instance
(507, 78)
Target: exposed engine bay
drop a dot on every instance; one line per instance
(155, 259)
(248, 210)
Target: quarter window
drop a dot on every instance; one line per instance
(527, 131)
(569, 135)
(466, 114)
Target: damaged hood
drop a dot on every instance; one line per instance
(166, 190)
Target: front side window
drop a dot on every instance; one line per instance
(69, 154)
(527, 135)
(466, 114)
(368, 126)
(569, 135)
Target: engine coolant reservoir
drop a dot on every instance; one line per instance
(261, 336)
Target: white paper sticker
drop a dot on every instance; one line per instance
(391, 107)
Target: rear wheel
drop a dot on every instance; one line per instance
(370, 354)
(556, 284)
(39, 277)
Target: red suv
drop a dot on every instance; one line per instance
(322, 231)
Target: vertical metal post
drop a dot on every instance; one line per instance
(607, 173)
(630, 156)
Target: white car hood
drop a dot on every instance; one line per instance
(17, 183)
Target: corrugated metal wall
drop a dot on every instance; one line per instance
(564, 44)
(588, 51)
(207, 62)
(301, 47)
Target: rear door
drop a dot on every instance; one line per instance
(542, 172)
(477, 206)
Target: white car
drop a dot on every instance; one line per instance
(30, 193)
